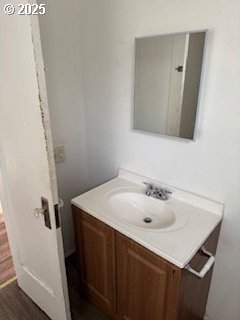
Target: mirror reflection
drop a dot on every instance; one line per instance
(167, 77)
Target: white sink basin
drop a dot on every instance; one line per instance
(134, 208)
(179, 225)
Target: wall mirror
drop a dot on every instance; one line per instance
(167, 78)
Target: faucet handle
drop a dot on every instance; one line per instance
(149, 189)
(148, 184)
(163, 194)
(167, 191)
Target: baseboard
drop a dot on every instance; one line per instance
(207, 317)
(69, 252)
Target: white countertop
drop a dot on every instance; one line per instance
(176, 246)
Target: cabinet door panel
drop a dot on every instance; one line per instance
(147, 283)
(148, 286)
(96, 249)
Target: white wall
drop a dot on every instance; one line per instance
(61, 50)
(209, 166)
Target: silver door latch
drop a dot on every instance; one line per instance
(43, 212)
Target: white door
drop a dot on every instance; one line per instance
(27, 166)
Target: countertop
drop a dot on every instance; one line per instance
(176, 246)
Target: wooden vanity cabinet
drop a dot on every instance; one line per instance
(95, 247)
(129, 282)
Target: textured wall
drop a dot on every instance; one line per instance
(209, 166)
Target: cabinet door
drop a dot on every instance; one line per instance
(147, 285)
(96, 251)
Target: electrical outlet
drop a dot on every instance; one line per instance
(59, 154)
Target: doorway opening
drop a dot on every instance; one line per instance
(7, 272)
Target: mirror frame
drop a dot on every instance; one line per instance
(200, 90)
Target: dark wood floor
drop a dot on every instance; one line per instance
(15, 304)
(6, 263)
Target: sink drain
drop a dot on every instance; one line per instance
(147, 220)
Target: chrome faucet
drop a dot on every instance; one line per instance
(157, 192)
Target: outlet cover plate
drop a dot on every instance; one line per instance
(59, 153)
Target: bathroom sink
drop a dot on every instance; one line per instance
(174, 229)
(139, 210)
